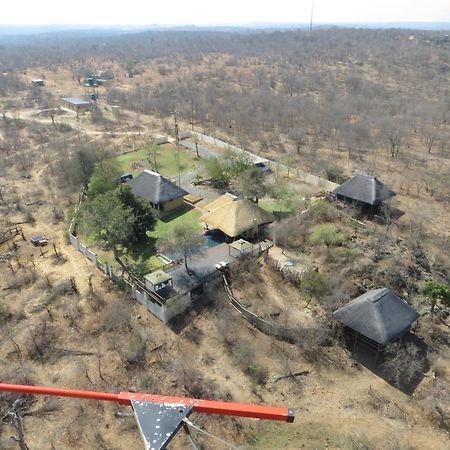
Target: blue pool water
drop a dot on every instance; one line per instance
(210, 240)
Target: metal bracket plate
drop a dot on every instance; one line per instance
(158, 422)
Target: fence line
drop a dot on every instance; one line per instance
(289, 334)
(294, 276)
(139, 292)
(10, 233)
(275, 166)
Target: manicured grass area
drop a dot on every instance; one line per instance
(142, 255)
(185, 217)
(168, 160)
(272, 206)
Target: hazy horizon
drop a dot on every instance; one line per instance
(141, 13)
(37, 29)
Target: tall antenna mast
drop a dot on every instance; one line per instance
(312, 9)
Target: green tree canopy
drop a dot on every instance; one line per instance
(144, 219)
(222, 169)
(108, 219)
(252, 184)
(218, 172)
(327, 234)
(183, 237)
(281, 191)
(314, 284)
(435, 292)
(104, 178)
(79, 167)
(117, 218)
(237, 162)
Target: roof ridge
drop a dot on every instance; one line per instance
(152, 172)
(379, 295)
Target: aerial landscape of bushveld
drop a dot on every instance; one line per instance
(240, 211)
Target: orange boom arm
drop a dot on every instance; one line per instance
(125, 398)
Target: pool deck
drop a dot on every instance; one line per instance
(202, 265)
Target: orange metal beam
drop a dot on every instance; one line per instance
(124, 398)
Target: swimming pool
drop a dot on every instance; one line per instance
(210, 240)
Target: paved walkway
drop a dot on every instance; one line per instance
(207, 194)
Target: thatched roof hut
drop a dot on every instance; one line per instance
(235, 216)
(379, 315)
(365, 189)
(221, 201)
(155, 188)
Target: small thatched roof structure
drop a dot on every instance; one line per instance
(379, 315)
(155, 188)
(365, 189)
(242, 246)
(235, 215)
(221, 201)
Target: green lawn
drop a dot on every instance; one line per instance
(143, 254)
(170, 160)
(167, 224)
(272, 206)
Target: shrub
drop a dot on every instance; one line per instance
(322, 211)
(327, 234)
(5, 313)
(348, 255)
(242, 352)
(218, 173)
(335, 174)
(435, 291)
(404, 364)
(136, 349)
(314, 284)
(258, 374)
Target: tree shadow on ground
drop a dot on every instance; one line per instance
(139, 254)
(402, 364)
(387, 218)
(176, 213)
(181, 321)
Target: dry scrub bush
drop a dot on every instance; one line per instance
(435, 402)
(194, 334)
(248, 270)
(313, 337)
(62, 288)
(227, 325)
(72, 310)
(245, 356)
(290, 233)
(404, 364)
(5, 313)
(323, 357)
(135, 353)
(321, 211)
(23, 278)
(115, 319)
(386, 407)
(192, 379)
(41, 342)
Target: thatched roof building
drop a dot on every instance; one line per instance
(163, 195)
(155, 188)
(221, 201)
(365, 189)
(379, 315)
(235, 216)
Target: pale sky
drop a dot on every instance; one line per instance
(213, 12)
